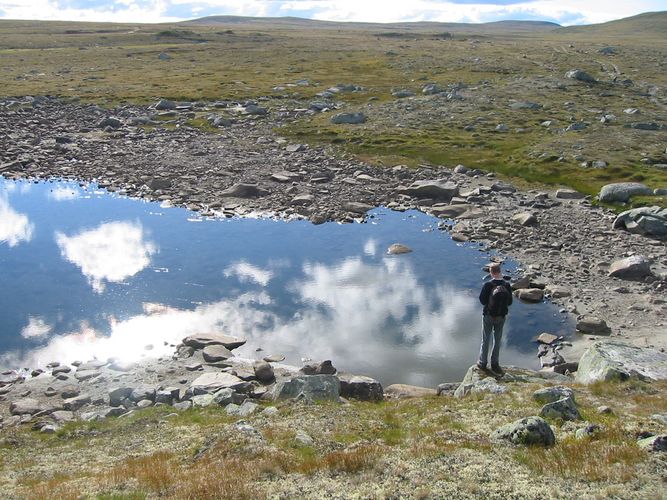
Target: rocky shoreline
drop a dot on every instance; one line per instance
(567, 245)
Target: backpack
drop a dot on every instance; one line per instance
(499, 300)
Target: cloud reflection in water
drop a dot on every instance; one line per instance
(14, 227)
(111, 252)
(374, 318)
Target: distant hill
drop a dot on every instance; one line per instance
(647, 24)
(297, 22)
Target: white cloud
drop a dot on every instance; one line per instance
(62, 193)
(35, 329)
(112, 252)
(245, 272)
(14, 227)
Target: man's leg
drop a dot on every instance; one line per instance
(487, 326)
(498, 324)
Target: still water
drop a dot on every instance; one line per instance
(86, 274)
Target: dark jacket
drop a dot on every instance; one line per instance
(486, 293)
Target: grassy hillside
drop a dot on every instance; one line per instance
(641, 26)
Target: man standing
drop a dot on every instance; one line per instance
(496, 296)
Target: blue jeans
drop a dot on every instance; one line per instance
(491, 324)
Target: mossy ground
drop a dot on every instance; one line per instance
(200, 453)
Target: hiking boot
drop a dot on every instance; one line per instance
(481, 366)
(498, 370)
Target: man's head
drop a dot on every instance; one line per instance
(494, 270)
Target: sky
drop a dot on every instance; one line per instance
(564, 12)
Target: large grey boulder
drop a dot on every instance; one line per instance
(26, 406)
(593, 325)
(215, 353)
(526, 431)
(308, 387)
(615, 360)
(118, 394)
(530, 294)
(653, 443)
(635, 267)
(436, 189)
(563, 409)
(264, 372)
(165, 104)
(202, 340)
(73, 404)
(648, 221)
(360, 387)
(622, 191)
(348, 118)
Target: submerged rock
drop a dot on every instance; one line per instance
(398, 248)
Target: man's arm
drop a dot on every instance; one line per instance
(484, 294)
(509, 288)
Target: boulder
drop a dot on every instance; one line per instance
(530, 294)
(264, 372)
(118, 394)
(526, 431)
(211, 382)
(202, 400)
(360, 387)
(525, 219)
(587, 432)
(111, 122)
(434, 189)
(546, 338)
(563, 409)
(165, 104)
(592, 325)
(246, 409)
(552, 394)
(648, 221)
(159, 183)
(653, 443)
(167, 396)
(63, 416)
(569, 194)
(397, 249)
(142, 392)
(400, 391)
(323, 368)
(308, 387)
(82, 375)
(202, 340)
(356, 207)
(622, 191)
(478, 381)
(227, 396)
(557, 292)
(635, 267)
(215, 353)
(615, 360)
(348, 118)
(403, 93)
(26, 406)
(73, 404)
(244, 190)
(581, 76)
(253, 109)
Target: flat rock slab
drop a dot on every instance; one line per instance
(216, 352)
(618, 361)
(401, 391)
(214, 381)
(635, 267)
(433, 189)
(25, 406)
(201, 340)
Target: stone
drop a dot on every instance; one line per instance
(447, 388)
(323, 368)
(502, 187)
(592, 325)
(661, 418)
(183, 405)
(303, 439)
(477, 381)
(253, 109)
(401, 391)
(167, 395)
(563, 409)
(303, 199)
(397, 249)
(26, 406)
(201, 340)
(567, 367)
(587, 432)
(70, 391)
(111, 122)
(144, 403)
(118, 394)
(274, 358)
(432, 89)
(270, 411)
(647, 221)
(159, 183)
(215, 353)
(63, 416)
(73, 404)
(653, 443)
(165, 104)
(403, 93)
(82, 375)
(227, 396)
(360, 387)
(552, 394)
(308, 387)
(244, 190)
(530, 294)
(525, 219)
(264, 372)
(214, 381)
(557, 292)
(142, 392)
(614, 360)
(635, 267)
(529, 431)
(569, 194)
(348, 118)
(581, 76)
(202, 400)
(546, 338)
(622, 191)
(246, 409)
(356, 207)
(522, 283)
(435, 189)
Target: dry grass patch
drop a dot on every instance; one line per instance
(355, 460)
(612, 456)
